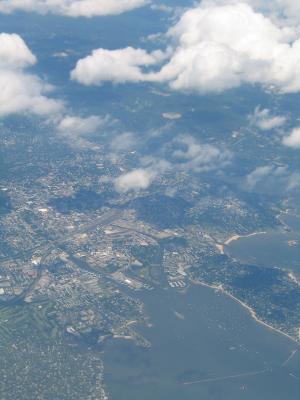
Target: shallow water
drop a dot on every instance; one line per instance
(273, 249)
(216, 339)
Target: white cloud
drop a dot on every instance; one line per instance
(142, 178)
(287, 11)
(123, 141)
(293, 140)
(294, 181)
(77, 126)
(21, 92)
(265, 121)
(72, 8)
(189, 154)
(79, 131)
(270, 178)
(213, 48)
(14, 53)
(289, 8)
(182, 154)
(257, 175)
(117, 66)
(134, 180)
(221, 47)
(24, 93)
(162, 8)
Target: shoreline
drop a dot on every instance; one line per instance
(294, 278)
(233, 238)
(252, 313)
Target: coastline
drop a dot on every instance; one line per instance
(294, 278)
(233, 238)
(252, 313)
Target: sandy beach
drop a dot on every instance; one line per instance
(233, 238)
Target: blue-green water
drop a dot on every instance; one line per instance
(216, 339)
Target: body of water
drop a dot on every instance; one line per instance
(273, 249)
(204, 346)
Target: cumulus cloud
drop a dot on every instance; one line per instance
(189, 154)
(77, 126)
(221, 47)
(79, 131)
(72, 8)
(265, 121)
(141, 178)
(117, 66)
(289, 8)
(134, 180)
(213, 47)
(23, 93)
(286, 10)
(293, 139)
(163, 8)
(257, 175)
(14, 53)
(123, 142)
(271, 178)
(20, 91)
(182, 154)
(294, 181)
